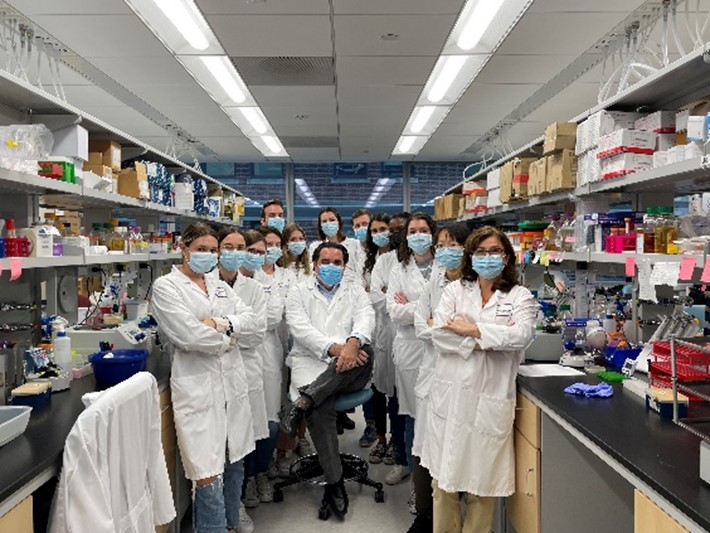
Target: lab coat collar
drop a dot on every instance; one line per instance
(211, 281)
(316, 288)
(477, 297)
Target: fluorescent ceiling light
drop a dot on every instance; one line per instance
(224, 72)
(183, 18)
(451, 69)
(272, 143)
(423, 114)
(406, 142)
(254, 116)
(479, 19)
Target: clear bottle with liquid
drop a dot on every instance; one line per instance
(647, 244)
(117, 241)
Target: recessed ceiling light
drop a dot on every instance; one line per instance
(389, 36)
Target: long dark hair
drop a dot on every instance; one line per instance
(371, 248)
(509, 277)
(341, 234)
(196, 230)
(404, 254)
(226, 231)
(303, 262)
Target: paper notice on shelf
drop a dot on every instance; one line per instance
(705, 277)
(630, 266)
(665, 274)
(15, 269)
(687, 267)
(647, 291)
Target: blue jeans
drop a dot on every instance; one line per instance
(368, 411)
(257, 462)
(216, 505)
(397, 426)
(409, 440)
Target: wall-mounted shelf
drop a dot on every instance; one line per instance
(80, 260)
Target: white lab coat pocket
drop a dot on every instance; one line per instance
(235, 384)
(440, 398)
(494, 416)
(192, 395)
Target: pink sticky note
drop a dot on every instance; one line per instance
(630, 266)
(687, 267)
(705, 277)
(15, 269)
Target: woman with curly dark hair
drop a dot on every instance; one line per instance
(480, 329)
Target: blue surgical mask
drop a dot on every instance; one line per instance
(276, 223)
(232, 259)
(273, 254)
(449, 258)
(296, 248)
(361, 234)
(202, 262)
(330, 228)
(330, 275)
(253, 262)
(419, 243)
(489, 266)
(381, 239)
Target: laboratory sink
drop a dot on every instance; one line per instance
(13, 421)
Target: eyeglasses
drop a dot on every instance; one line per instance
(481, 252)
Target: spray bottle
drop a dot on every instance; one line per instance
(62, 346)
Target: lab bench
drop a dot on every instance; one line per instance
(34, 458)
(595, 464)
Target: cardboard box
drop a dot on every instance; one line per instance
(133, 182)
(560, 136)
(451, 205)
(538, 177)
(561, 171)
(473, 187)
(96, 158)
(506, 182)
(99, 170)
(623, 164)
(110, 153)
(72, 141)
(658, 122)
(521, 176)
(627, 141)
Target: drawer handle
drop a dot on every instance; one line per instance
(527, 490)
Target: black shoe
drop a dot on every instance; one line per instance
(290, 418)
(423, 523)
(345, 421)
(335, 496)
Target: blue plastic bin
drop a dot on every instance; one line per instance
(120, 367)
(616, 357)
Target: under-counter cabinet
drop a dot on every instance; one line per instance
(650, 518)
(19, 518)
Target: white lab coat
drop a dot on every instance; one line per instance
(468, 445)
(113, 475)
(428, 302)
(208, 379)
(383, 372)
(299, 274)
(273, 347)
(252, 294)
(407, 350)
(316, 323)
(353, 270)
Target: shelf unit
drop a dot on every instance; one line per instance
(83, 260)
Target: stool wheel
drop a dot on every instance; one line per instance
(379, 496)
(278, 496)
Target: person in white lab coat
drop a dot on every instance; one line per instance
(330, 229)
(360, 220)
(383, 373)
(449, 242)
(272, 215)
(481, 328)
(200, 320)
(407, 281)
(331, 321)
(295, 252)
(258, 489)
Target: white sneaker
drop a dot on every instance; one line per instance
(251, 495)
(264, 488)
(246, 524)
(284, 463)
(394, 476)
(304, 447)
(412, 502)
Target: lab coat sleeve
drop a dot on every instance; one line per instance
(274, 313)
(364, 316)
(179, 324)
(252, 335)
(378, 284)
(162, 495)
(300, 325)
(402, 314)
(423, 313)
(447, 342)
(516, 335)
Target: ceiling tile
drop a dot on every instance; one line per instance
(231, 148)
(295, 97)
(145, 70)
(378, 96)
(272, 7)
(419, 35)
(286, 114)
(252, 35)
(70, 7)
(85, 96)
(101, 36)
(397, 7)
(203, 120)
(305, 128)
(557, 6)
(314, 154)
(126, 119)
(364, 128)
(364, 71)
(444, 147)
(523, 69)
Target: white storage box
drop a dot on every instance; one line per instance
(493, 179)
(661, 159)
(627, 141)
(625, 163)
(697, 128)
(681, 120)
(72, 142)
(494, 198)
(184, 197)
(665, 141)
(659, 122)
(603, 123)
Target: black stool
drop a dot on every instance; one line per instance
(308, 470)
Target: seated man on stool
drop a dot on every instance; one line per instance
(331, 323)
